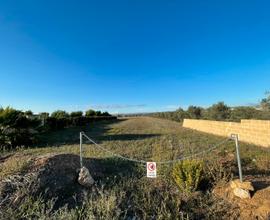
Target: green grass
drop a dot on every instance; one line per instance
(124, 191)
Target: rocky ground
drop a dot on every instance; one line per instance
(252, 197)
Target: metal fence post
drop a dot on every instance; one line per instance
(81, 162)
(235, 137)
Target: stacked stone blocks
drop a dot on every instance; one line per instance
(251, 131)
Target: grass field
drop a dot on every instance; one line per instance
(123, 191)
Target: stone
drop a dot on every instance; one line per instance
(85, 179)
(242, 185)
(241, 193)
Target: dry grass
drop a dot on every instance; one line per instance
(147, 139)
(14, 164)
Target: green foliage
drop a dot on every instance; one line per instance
(90, 113)
(44, 115)
(219, 112)
(98, 113)
(8, 115)
(244, 112)
(28, 113)
(16, 129)
(265, 102)
(195, 111)
(19, 128)
(59, 114)
(106, 114)
(187, 175)
(76, 114)
(178, 115)
(93, 113)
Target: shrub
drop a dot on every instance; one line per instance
(59, 114)
(217, 172)
(16, 129)
(263, 162)
(53, 123)
(187, 175)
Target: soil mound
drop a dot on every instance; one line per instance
(256, 207)
(52, 176)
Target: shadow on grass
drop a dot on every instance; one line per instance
(123, 137)
(96, 131)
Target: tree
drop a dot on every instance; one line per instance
(44, 115)
(59, 114)
(265, 102)
(244, 112)
(76, 114)
(106, 114)
(194, 111)
(98, 113)
(218, 111)
(16, 129)
(90, 113)
(28, 113)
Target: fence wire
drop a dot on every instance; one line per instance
(158, 162)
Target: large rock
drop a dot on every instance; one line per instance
(85, 179)
(241, 185)
(256, 207)
(241, 193)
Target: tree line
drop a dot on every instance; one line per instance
(20, 128)
(220, 112)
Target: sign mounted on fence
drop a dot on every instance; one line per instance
(151, 168)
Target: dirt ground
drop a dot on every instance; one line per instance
(258, 206)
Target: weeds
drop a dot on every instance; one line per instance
(123, 191)
(14, 164)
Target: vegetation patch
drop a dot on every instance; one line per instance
(187, 175)
(44, 185)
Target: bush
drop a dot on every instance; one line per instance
(218, 172)
(187, 175)
(56, 123)
(59, 114)
(16, 129)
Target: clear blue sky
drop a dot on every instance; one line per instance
(133, 55)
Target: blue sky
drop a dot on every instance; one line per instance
(133, 55)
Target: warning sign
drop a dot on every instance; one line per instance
(151, 169)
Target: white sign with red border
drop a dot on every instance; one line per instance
(151, 168)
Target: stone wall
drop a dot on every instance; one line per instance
(251, 131)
